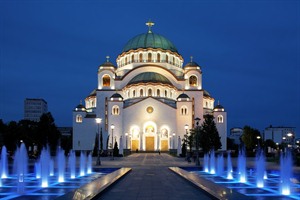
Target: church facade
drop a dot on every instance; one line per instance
(147, 101)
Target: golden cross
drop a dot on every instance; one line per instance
(150, 24)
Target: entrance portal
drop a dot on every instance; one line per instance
(164, 145)
(134, 145)
(149, 143)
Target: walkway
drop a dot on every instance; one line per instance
(150, 178)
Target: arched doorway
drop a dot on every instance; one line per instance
(150, 136)
(135, 138)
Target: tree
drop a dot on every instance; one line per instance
(249, 138)
(95, 151)
(183, 149)
(188, 140)
(47, 133)
(116, 149)
(209, 135)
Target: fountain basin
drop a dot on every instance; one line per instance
(82, 186)
(222, 188)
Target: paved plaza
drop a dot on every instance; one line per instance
(150, 178)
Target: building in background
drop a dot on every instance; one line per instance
(236, 134)
(280, 134)
(147, 101)
(34, 108)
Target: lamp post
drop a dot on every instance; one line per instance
(258, 147)
(186, 127)
(112, 140)
(197, 119)
(98, 161)
(126, 135)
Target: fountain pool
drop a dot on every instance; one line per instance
(34, 190)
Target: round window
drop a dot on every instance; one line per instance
(149, 109)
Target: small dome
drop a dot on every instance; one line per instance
(107, 63)
(219, 108)
(183, 96)
(149, 40)
(192, 64)
(149, 77)
(80, 107)
(206, 93)
(116, 95)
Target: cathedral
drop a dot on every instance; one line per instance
(147, 101)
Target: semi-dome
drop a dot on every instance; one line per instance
(149, 77)
(149, 40)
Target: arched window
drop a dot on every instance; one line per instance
(206, 103)
(141, 58)
(132, 58)
(115, 110)
(158, 93)
(220, 119)
(173, 60)
(193, 80)
(78, 118)
(133, 93)
(167, 58)
(158, 57)
(106, 81)
(164, 134)
(141, 92)
(149, 57)
(149, 92)
(126, 60)
(166, 93)
(183, 110)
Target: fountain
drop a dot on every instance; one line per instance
(20, 164)
(285, 172)
(260, 168)
(82, 164)
(242, 166)
(255, 182)
(3, 166)
(61, 163)
(229, 167)
(32, 179)
(205, 162)
(212, 165)
(44, 167)
(89, 163)
(220, 164)
(72, 164)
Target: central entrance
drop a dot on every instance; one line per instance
(149, 143)
(149, 136)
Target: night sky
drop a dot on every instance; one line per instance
(248, 51)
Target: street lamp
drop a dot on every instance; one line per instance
(197, 119)
(126, 135)
(112, 140)
(98, 121)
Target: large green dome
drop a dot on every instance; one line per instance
(149, 77)
(149, 40)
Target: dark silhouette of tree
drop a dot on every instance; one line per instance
(47, 132)
(209, 135)
(95, 151)
(101, 140)
(116, 149)
(249, 138)
(188, 140)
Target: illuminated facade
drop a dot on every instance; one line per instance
(149, 97)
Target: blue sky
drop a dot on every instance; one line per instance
(248, 51)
